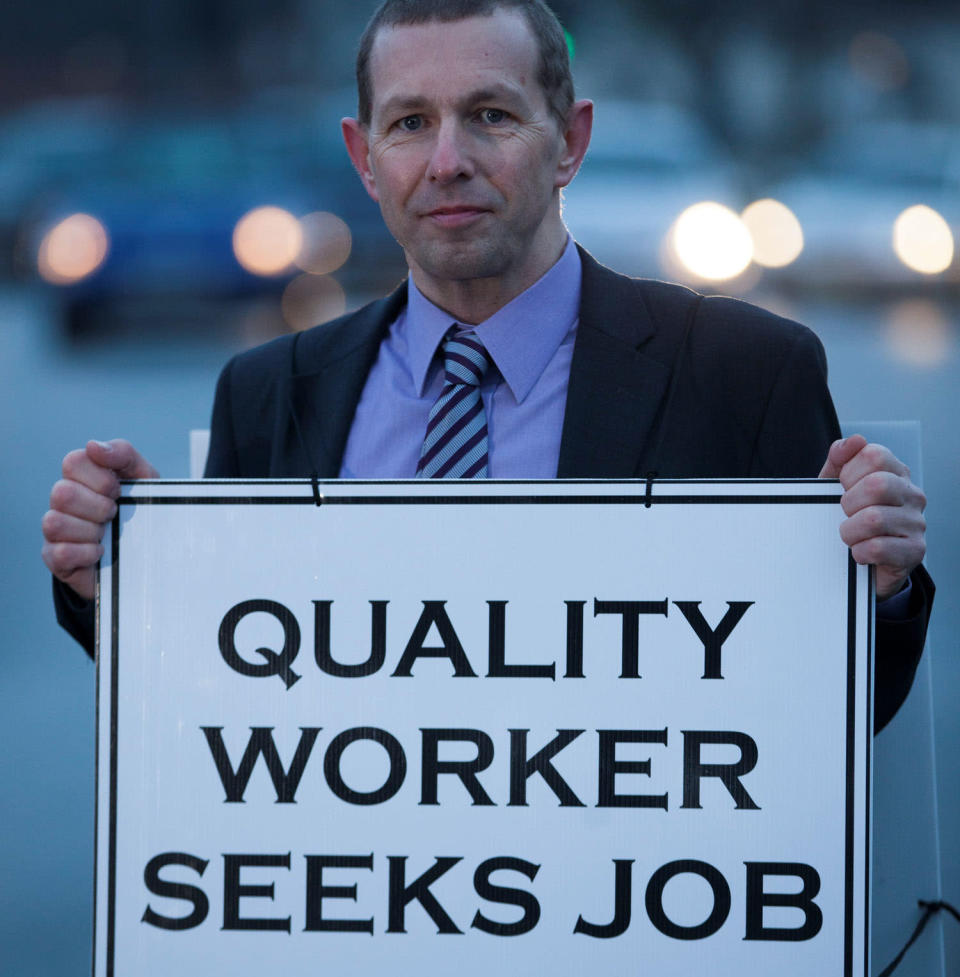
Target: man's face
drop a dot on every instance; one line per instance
(462, 153)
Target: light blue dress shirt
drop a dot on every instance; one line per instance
(530, 341)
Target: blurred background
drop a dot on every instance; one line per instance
(173, 189)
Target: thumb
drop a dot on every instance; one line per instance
(840, 453)
(122, 458)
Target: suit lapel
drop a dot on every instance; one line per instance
(329, 372)
(618, 378)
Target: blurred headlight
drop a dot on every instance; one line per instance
(711, 241)
(326, 243)
(267, 240)
(776, 233)
(72, 250)
(922, 240)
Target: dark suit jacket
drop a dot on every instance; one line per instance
(662, 380)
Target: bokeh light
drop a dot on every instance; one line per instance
(922, 240)
(919, 333)
(326, 243)
(72, 250)
(311, 299)
(776, 233)
(267, 240)
(879, 60)
(711, 241)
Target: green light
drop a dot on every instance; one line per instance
(571, 46)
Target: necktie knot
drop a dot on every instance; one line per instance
(464, 359)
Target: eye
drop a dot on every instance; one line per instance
(493, 117)
(411, 123)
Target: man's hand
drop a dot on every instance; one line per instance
(884, 524)
(81, 504)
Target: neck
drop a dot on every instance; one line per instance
(473, 300)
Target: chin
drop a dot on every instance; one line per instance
(463, 262)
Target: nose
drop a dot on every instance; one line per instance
(451, 158)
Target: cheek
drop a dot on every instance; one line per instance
(536, 182)
(395, 179)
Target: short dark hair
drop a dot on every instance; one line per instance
(554, 70)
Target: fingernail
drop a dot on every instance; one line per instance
(106, 445)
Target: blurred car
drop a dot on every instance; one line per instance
(852, 190)
(169, 190)
(646, 164)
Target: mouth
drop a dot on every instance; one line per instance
(455, 215)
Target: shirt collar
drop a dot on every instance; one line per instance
(521, 338)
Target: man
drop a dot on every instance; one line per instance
(467, 132)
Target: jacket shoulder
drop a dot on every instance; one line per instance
(662, 315)
(720, 319)
(253, 390)
(747, 390)
(304, 352)
(725, 336)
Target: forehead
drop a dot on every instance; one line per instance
(437, 60)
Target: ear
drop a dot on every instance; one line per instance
(358, 149)
(576, 138)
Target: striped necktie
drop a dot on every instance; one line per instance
(455, 445)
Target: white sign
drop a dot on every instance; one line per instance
(368, 728)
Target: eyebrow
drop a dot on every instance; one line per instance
(403, 103)
(414, 103)
(496, 94)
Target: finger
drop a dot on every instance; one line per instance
(840, 453)
(871, 458)
(74, 564)
(895, 553)
(882, 521)
(58, 527)
(76, 499)
(121, 457)
(883, 489)
(78, 466)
